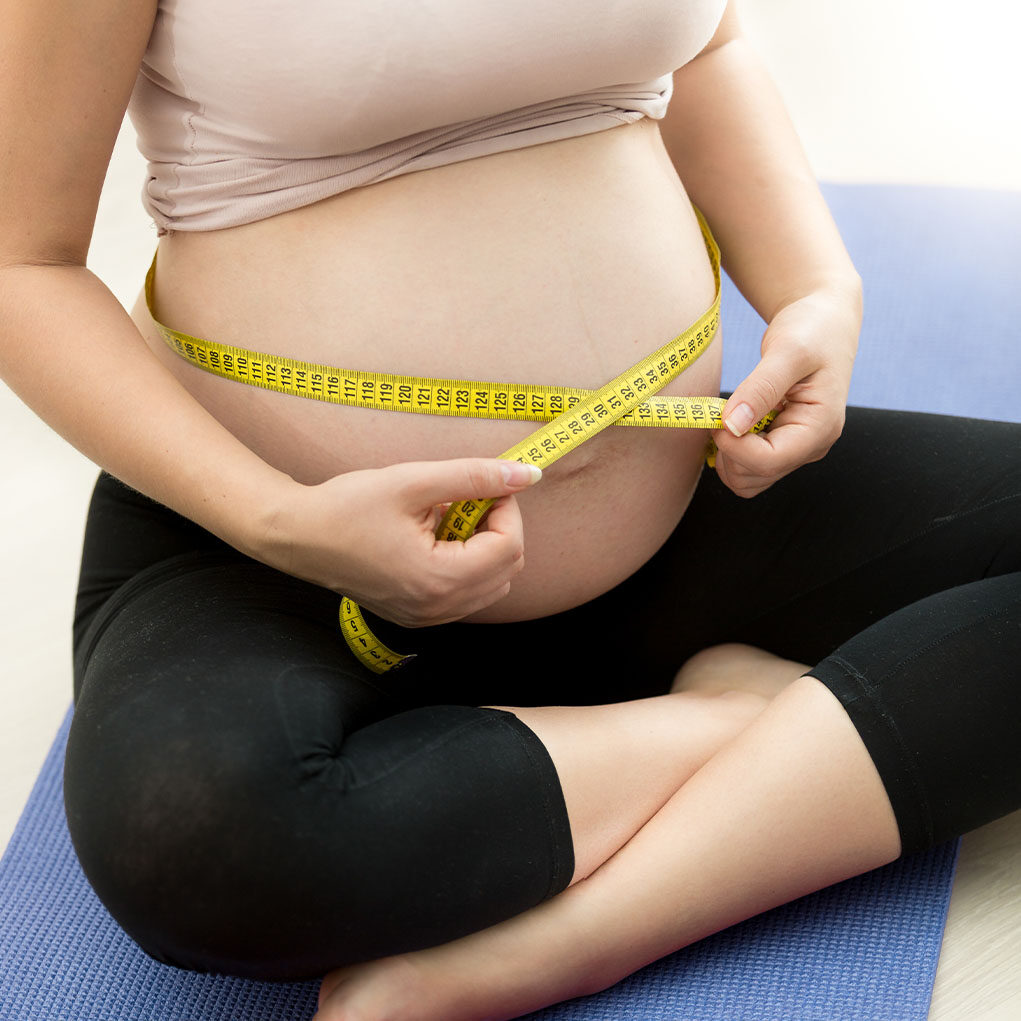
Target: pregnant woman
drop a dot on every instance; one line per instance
(539, 803)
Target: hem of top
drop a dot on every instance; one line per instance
(332, 185)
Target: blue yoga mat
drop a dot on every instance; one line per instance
(940, 334)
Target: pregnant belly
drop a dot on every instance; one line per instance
(562, 263)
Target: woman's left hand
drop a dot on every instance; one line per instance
(807, 355)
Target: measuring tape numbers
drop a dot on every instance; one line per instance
(570, 416)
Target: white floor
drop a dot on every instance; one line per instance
(903, 90)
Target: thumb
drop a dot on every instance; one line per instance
(433, 482)
(762, 391)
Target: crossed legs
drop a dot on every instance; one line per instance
(687, 812)
(784, 801)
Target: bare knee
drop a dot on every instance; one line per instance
(732, 666)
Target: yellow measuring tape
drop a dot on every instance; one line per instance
(571, 415)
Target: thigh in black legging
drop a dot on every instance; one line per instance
(904, 505)
(891, 566)
(245, 798)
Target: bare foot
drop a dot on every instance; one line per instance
(733, 667)
(470, 979)
(389, 989)
(405, 988)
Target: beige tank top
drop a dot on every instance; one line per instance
(249, 108)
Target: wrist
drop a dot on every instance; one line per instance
(246, 507)
(840, 288)
(266, 529)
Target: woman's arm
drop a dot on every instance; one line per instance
(72, 353)
(736, 151)
(67, 347)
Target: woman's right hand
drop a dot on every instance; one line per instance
(370, 535)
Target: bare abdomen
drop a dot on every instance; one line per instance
(561, 263)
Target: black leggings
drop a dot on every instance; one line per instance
(245, 798)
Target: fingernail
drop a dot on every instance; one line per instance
(517, 474)
(740, 420)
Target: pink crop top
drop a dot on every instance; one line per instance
(249, 108)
